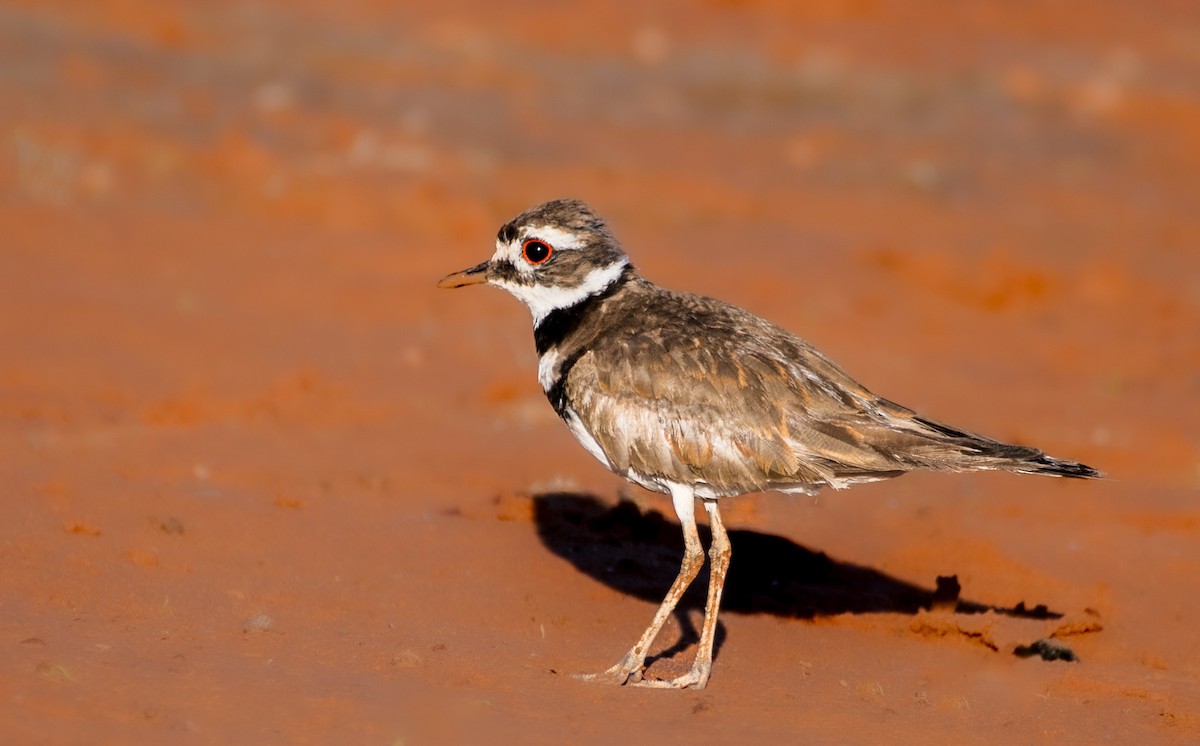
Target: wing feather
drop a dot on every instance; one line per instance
(697, 391)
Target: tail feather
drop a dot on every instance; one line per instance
(1054, 467)
(979, 452)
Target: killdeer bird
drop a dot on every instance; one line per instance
(702, 400)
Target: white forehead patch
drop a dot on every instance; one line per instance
(511, 253)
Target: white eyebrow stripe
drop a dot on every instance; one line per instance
(558, 238)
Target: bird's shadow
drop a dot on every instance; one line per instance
(638, 552)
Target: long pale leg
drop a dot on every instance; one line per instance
(629, 669)
(719, 554)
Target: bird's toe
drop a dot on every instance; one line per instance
(626, 671)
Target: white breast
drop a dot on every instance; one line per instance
(548, 369)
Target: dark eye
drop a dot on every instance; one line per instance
(536, 251)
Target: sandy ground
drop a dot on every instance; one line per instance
(262, 482)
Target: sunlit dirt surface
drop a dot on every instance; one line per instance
(262, 482)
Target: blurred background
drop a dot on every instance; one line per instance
(221, 223)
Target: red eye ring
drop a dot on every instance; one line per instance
(536, 251)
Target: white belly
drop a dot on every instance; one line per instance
(583, 436)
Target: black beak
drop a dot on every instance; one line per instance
(474, 276)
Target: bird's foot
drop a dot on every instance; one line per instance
(697, 678)
(628, 670)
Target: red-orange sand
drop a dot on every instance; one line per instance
(261, 482)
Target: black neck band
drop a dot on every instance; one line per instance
(559, 323)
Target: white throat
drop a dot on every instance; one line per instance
(542, 299)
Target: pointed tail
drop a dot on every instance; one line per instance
(1054, 467)
(978, 452)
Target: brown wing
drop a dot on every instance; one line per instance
(754, 410)
(748, 407)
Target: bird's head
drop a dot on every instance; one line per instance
(551, 256)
